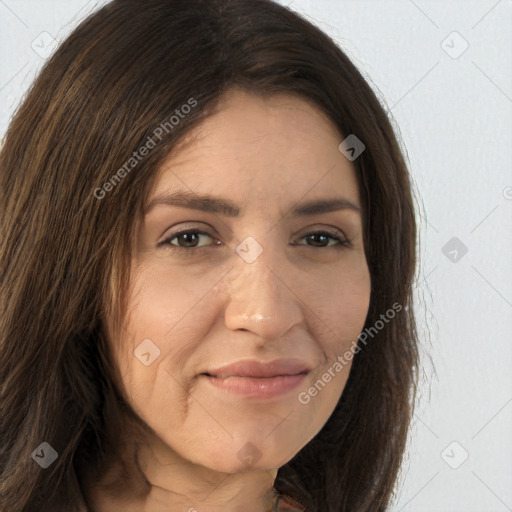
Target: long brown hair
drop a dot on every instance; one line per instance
(67, 215)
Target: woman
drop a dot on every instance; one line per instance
(207, 254)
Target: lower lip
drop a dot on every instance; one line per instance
(258, 387)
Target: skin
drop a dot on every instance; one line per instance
(308, 301)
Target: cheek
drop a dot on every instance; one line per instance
(342, 304)
(152, 383)
(163, 296)
(160, 328)
(170, 308)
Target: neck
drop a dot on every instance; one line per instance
(175, 484)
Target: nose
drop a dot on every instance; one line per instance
(261, 299)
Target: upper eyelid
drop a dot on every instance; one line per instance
(180, 231)
(187, 230)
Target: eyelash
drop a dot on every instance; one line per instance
(344, 243)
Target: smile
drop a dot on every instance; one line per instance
(257, 387)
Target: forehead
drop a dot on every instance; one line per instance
(278, 147)
(281, 121)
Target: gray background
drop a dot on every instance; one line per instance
(442, 69)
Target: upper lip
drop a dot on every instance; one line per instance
(253, 368)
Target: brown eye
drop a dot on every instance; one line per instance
(321, 237)
(187, 239)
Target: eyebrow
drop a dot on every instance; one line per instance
(223, 206)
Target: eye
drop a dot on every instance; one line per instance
(191, 238)
(321, 236)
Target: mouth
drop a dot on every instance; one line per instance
(256, 387)
(262, 377)
(260, 369)
(258, 379)
(267, 387)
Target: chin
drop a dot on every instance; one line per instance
(252, 452)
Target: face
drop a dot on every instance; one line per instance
(266, 278)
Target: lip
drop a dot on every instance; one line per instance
(260, 369)
(254, 387)
(258, 379)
